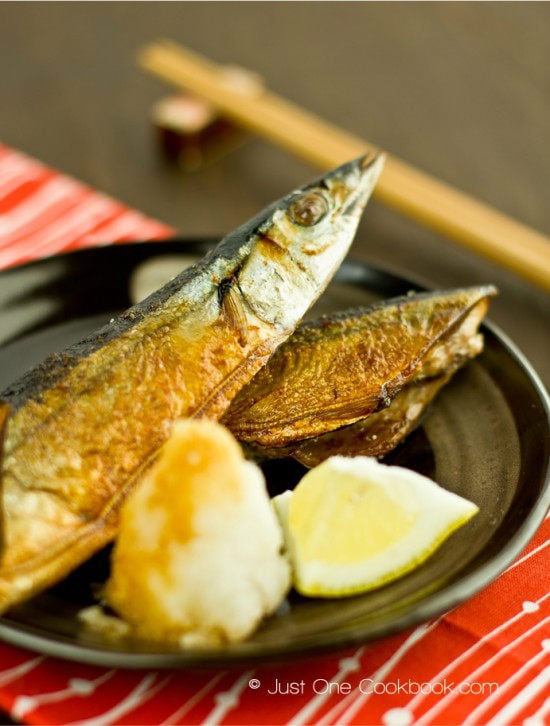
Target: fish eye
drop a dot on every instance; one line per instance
(308, 209)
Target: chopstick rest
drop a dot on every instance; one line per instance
(192, 133)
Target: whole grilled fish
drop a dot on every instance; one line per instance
(85, 424)
(357, 382)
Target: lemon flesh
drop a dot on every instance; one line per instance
(353, 524)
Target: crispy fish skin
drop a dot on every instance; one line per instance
(86, 424)
(344, 379)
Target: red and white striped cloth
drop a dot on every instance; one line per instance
(43, 212)
(487, 661)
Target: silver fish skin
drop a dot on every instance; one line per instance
(85, 425)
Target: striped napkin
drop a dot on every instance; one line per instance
(43, 212)
(487, 661)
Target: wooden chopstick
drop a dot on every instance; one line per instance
(402, 187)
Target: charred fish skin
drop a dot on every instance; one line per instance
(87, 423)
(334, 373)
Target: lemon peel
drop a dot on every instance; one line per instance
(353, 524)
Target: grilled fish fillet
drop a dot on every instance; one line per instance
(357, 382)
(85, 424)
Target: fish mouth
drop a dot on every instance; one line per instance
(362, 164)
(361, 175)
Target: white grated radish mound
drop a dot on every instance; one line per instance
(198, 560)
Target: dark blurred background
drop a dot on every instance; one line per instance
(459, 89)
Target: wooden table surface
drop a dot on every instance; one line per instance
(458, 89)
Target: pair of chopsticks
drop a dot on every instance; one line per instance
(401, 187)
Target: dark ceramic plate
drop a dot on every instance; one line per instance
(485, 437)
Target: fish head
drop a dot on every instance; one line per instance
(302, 240)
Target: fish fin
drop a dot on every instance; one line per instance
(355, 409)
(233, 309)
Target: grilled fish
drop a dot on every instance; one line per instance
(357, 382)
(85, 424)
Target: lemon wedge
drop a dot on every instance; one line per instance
(354, 524)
